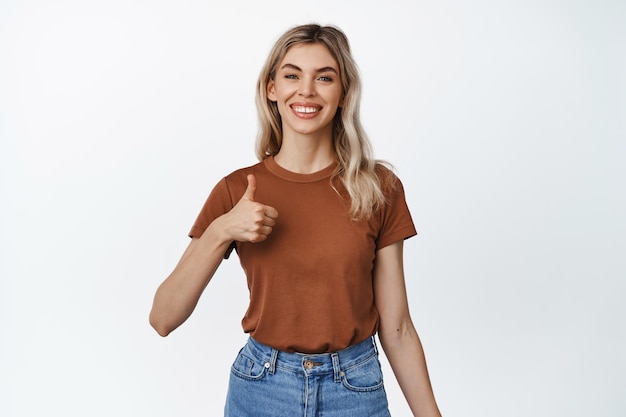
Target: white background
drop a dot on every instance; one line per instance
(504, 119)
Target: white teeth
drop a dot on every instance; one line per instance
(302, 109)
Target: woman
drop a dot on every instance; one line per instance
(318, 226)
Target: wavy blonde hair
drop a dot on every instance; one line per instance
(356, 166)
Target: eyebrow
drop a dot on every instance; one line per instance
(297, 68)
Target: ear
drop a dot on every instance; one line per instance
(271, 90)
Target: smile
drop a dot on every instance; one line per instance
(304, 109)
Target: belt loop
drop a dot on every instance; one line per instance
(336, 369)
(273, 359)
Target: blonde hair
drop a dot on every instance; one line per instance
(356, 166)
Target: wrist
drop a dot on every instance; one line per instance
(217, 232)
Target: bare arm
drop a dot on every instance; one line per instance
(178, 295)
(397, 333)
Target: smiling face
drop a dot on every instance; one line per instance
(307, 90)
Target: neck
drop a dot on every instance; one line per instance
(304, 154)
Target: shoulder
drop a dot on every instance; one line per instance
(240, 175)
(387, 178)
(246, 170)
(233, 183)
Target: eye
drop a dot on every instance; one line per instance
(291, 76)
(325, 78)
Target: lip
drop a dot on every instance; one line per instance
(313, 109)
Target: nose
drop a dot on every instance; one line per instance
(307, 87)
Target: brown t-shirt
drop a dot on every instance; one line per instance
(310, 281)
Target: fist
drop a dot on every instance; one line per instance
(250, 220)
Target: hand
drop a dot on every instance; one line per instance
(249, 220)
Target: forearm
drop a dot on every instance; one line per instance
(404, 351)
(178, 295)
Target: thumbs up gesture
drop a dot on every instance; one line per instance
(249, 220)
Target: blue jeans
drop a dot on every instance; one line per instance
(265, 382)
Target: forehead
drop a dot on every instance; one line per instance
(309, 55)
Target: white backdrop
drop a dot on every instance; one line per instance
(505, 120)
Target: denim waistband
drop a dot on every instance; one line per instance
(314, 363)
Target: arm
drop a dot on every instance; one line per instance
(397, 333)
(178, 295)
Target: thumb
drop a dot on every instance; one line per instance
(249, 194)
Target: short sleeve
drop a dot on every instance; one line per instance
(395, 218)
(218, 203)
